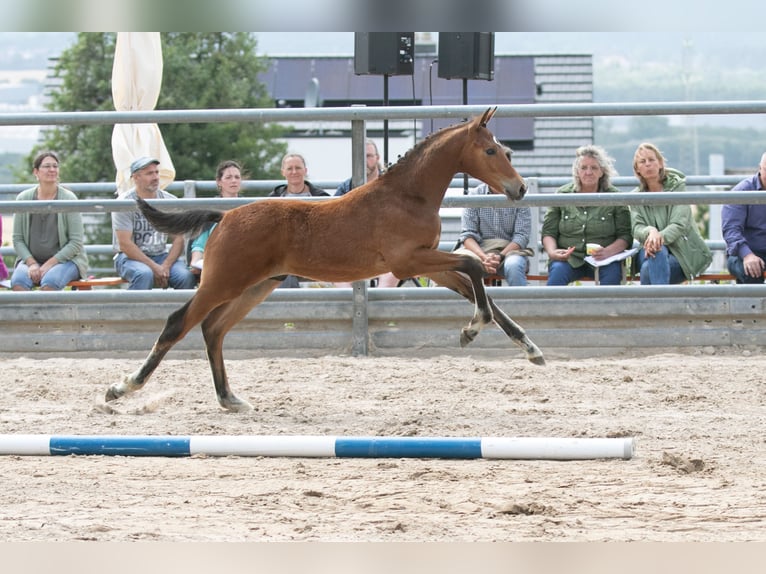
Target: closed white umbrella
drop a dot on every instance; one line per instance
(136, 82)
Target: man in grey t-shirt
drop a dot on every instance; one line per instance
(141, 256)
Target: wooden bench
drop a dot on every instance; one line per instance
(496, 281)
(91, 282)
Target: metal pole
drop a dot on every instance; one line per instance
(465, 103)
(385, 121)
(360, 321)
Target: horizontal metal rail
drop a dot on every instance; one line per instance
(458, 112)
(592, 319)
(531, 200)
(189, 188)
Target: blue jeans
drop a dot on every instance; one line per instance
(140, 276)
(55, 279)
(514, 270)
(662, 269)
(737, 268)
(562, 273)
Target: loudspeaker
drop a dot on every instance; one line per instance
(384, 53)
(467, 55)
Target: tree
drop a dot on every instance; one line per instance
(200, 71)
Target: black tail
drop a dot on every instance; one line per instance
(193, 221)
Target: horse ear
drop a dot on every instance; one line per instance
(487, 116)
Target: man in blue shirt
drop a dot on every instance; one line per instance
(744, 230)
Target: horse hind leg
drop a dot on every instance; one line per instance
(214, 329)
(173, 332)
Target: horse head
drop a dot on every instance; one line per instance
(490, 161)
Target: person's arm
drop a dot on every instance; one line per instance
(522, 228)
(131, 250)
(551, 247)
(679, 223)
(489, 260)
(19, 242)
(469, 225)
(176, 249)
(733, 219)
(198, 250)
(623, 232)
(74, 244)
(550, 236)
(343, 188)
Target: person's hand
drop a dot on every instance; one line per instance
(599, 253)
(491, 262)
(653, 243)
(35, 273)
(753, 264)
(561, 254)
(161, 276)
(45, 267)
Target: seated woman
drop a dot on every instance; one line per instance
(672, 249)
(228, 180)
(567, 230)
(49, 246)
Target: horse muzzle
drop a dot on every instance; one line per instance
(515, 192)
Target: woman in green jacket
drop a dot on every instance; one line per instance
(49, 246)
(567, 230)
(672, 249)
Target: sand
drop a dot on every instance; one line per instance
(698, 419)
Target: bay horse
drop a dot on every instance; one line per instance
(389, 224)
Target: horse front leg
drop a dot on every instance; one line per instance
(461, 284)
(434, 264)
(482, 312)
(171, 334)
(517, 334)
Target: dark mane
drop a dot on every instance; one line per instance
(404, 161)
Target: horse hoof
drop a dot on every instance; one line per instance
(113, 394)
(236, 405)
(538, 360)
(467, 336)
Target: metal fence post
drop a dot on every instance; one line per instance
(360, 327)
(534, 235)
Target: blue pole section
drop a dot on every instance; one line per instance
(408, 447)
(120, 445)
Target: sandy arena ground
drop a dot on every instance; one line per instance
(699, 422)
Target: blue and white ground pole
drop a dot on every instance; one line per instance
(531, 448)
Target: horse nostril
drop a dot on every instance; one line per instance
(522, 190)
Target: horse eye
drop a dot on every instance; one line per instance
(491, 151)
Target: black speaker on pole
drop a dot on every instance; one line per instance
(384, 53)
(467, 55)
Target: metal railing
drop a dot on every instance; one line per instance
(606, 316)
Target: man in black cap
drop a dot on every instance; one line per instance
(141, 254)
